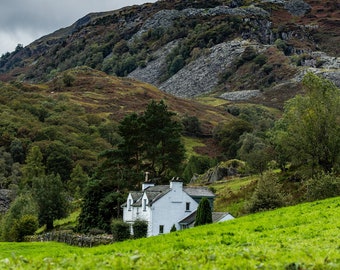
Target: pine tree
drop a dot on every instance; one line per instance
(204, 214)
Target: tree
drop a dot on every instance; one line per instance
(228, 134)
(78, 181)
(101, 204)
(23, 205)
(52, 204)
(192, 126)
(267, 194)
(255, 152)
(34, 165)
(204, 214)
(151, 141)
(164, 150)
(311, 127)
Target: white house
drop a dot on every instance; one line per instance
(163, 206)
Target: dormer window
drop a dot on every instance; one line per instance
(187, 206)
(129, 204)
(144, 205)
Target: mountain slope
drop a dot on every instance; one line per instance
(189, 48)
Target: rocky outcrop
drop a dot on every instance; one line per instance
(241, 95)
(217, 173)
(154, 69)
(166, 18)
(5, 200)
(297, 7)
(201, 76)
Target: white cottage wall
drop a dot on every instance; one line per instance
(169, 210)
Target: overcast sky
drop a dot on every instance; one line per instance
(23, 21)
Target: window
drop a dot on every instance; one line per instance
(144, 205)
(187, 206)
(161, 229)
(129, 204)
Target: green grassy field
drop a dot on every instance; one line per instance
(305, 236)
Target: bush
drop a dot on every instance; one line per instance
(323, 186)
(191, 126)
(267, 195)
(26, 225)
(173, 228)
(260, 60)
(140, 229)
(120, 230)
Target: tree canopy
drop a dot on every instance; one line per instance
(152, 141)
(308, 133)
(204, 214)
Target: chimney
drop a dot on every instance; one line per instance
(147, 183)
(176, 183)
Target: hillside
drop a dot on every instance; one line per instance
(242, 50)
(80, 119)
(286, 238)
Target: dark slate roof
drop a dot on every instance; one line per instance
(156, 192)
(136, 195)
(216, 216)
(198, 192)
(189, 219)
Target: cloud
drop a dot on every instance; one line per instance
(22, 22)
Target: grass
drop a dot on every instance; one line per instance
(190, 144)
(304, 236)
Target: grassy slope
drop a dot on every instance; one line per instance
(299, 237)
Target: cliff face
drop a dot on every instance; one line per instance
(239, 50)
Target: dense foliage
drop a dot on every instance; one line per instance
(203, 214)
(308, 134)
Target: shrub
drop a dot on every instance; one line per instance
(204, 214)
(120, 230)
(260, 60)
(140, 229)
(26, 225)
(248, 54)
(173, 228)
(323, 186)
(191, 126)
(68, 79)
(267, 195)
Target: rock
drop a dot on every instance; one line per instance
(201, 76)
(240, 95)
(166, 18)
(5, 200)
(154, 69)
(297, 7)
(217, 173)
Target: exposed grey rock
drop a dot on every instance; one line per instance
(162, 19)
(297, 7)
(240, 95)
(166, 18)
(201, 76)
(154, 69)
(217, 173)
(5, 199)
(329, 67)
